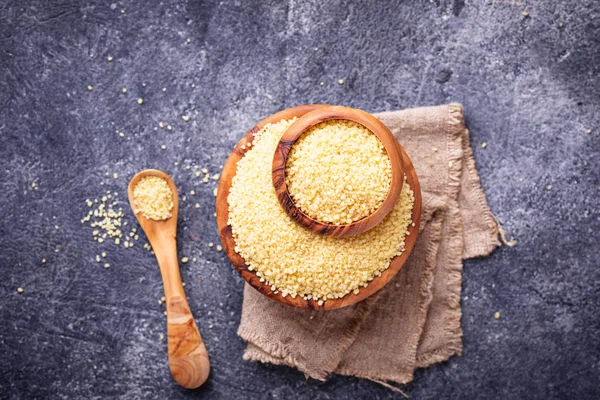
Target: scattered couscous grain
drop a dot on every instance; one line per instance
(108, 219)
(549, 187)
(291, 259)
(20, 290)
(90, 88)
(109, 58)
(341, 81)
(140, 101)
(497, 315)
(186, 118)
(483, 145)
(107, 265)
(211, 244)
(153, 197)
(219, 247)
(338, 172)
(184, 260)
(124, 90)
(43, 261)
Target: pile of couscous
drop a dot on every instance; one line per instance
(153, 197)
(293, 260)
(338, 172)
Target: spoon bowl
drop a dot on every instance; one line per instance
(188, 358)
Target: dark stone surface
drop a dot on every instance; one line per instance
(530, 90)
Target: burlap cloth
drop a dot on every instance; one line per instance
(415, 320)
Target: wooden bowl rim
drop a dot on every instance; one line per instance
(303, 124)
(252, 279)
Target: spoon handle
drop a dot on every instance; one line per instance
(188, 358)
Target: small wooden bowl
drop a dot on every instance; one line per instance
(238, 262)
(306, 122)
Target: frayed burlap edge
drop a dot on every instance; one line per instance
(277, 353)
(479, 250)
(453, 346)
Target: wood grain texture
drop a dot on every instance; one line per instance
(188, 358)
(306, 122)
(238, 262)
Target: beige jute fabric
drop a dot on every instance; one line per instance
(415, 320)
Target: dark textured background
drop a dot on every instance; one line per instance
(530, 90)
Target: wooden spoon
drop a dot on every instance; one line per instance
(188, 358)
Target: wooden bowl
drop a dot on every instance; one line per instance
(238, 262)
(297, 129)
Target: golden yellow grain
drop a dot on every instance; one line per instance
(153, 197)
(291, 259)
(338, 172)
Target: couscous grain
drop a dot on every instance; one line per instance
(153, 198)
(291, 259)
(338, 172)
